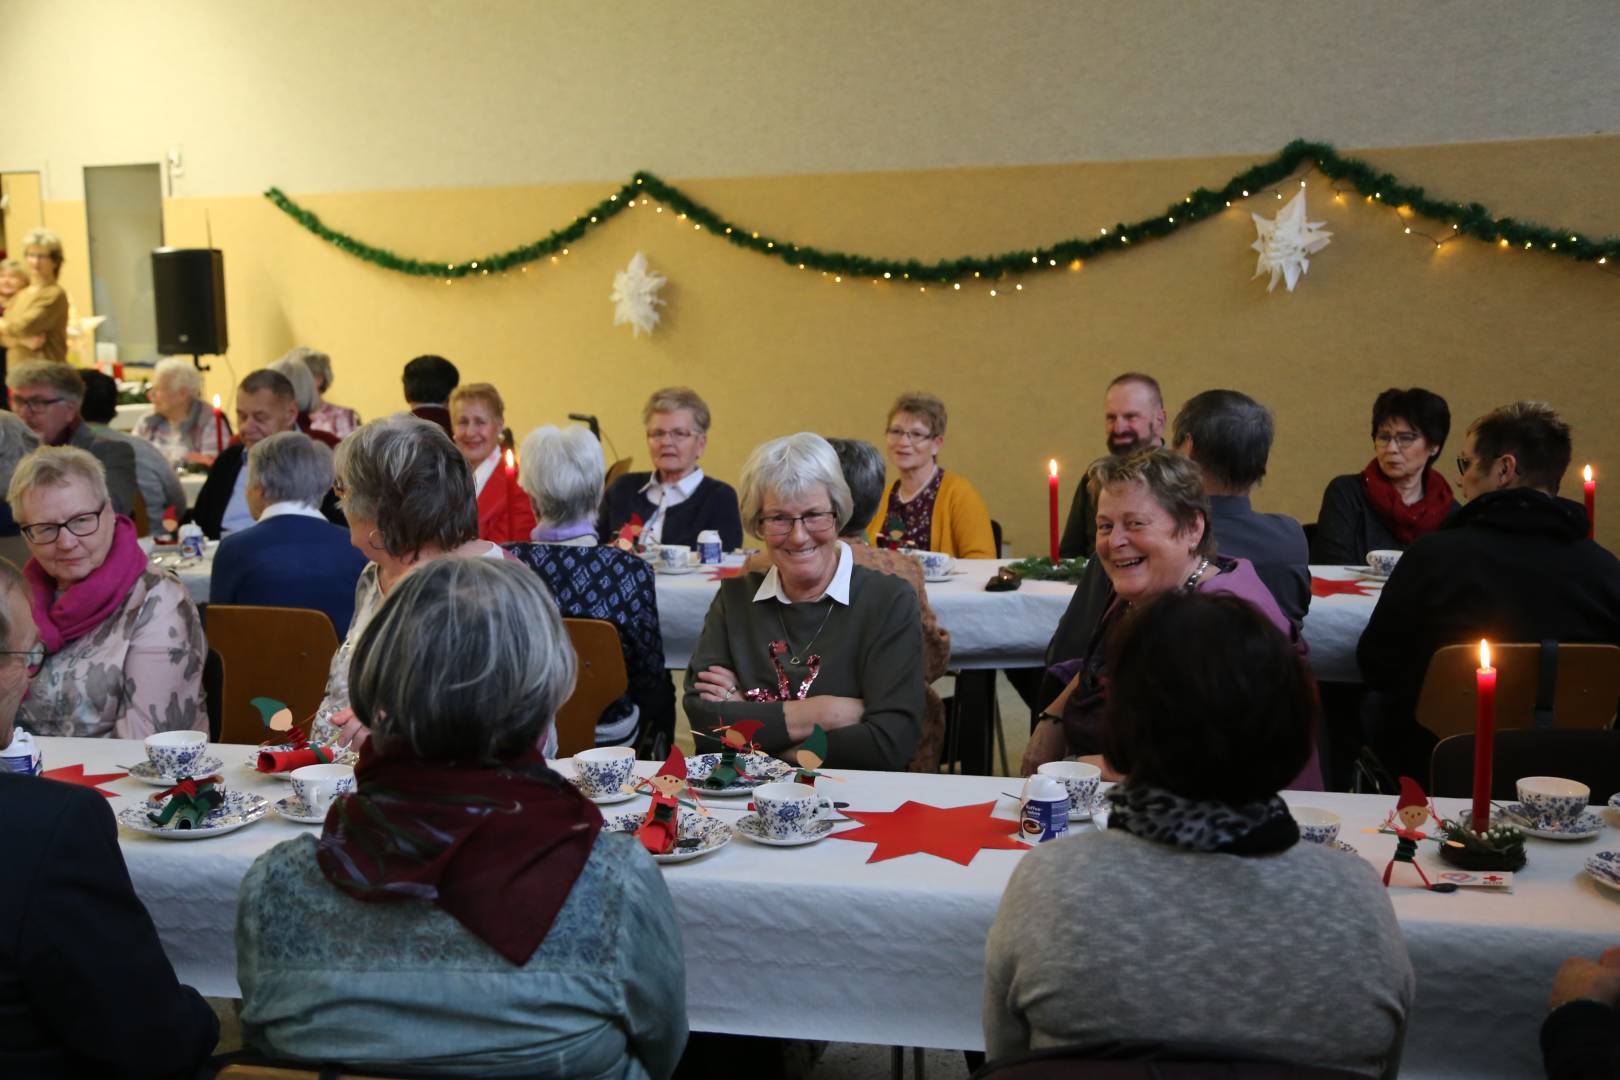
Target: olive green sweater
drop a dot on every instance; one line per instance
(871, 649)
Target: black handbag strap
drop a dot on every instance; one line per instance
(1546, 684)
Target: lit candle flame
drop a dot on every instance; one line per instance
(1051, 466)
(1586, 474)
(1484, 655)
(510, 461)
(216, 409)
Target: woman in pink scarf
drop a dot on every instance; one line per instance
(125, 647)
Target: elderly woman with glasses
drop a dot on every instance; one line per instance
(34, 326)
(562, 476)
(183, 429)
(927, 507)
(675, 501)
(816, 640)
(489, 925)
(124, 646)
(1399, 496)
(408, 498)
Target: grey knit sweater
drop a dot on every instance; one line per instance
(1295, 956)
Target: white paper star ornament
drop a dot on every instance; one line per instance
(1286, 242)
(635, 296)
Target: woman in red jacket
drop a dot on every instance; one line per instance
(477, 416)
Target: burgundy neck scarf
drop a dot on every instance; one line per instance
(1407, 523)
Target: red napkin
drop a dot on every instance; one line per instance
(75, 774)
(721, 573)
(274, 761)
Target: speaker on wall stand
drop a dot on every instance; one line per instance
(188, 285)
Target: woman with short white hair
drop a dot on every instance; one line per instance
(325, 416)
(305, 395)
(815, 641)
(183, 429)
(562, 474)
(490, 925)
(34, 326)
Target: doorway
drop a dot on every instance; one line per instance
(124, 211)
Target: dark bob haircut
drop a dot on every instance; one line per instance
(1207, 700)
(1231, 436)
(1423, 409)
(429, 379)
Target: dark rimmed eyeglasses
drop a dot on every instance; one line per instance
(1402, 439)
(779, 525)
(46, 532)
(34, 658)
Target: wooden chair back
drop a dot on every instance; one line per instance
(141, 515)
(602, 679)
(616, 470)
(282, 653)
(1587, 757)
(1585, 695)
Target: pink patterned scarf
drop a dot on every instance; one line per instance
(88, 604)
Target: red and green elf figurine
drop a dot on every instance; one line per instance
(735, 740)
(809, 757)
(1411, 811)
(190, 802)
(661, 828)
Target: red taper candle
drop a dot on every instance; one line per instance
(1590, 486)
(1052, 506)
(1484, 736)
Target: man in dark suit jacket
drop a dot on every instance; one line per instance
(293, 557)
(48, 397)
(428, 382)
(265, 405)
(85, 988)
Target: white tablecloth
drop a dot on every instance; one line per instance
(1334, 623)
(893, 952)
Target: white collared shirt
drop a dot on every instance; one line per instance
(771, 587)
(485, 470)
(237, 516)
(290, 508)
(664, 496)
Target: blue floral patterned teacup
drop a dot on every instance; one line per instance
(1552, 801)
(317, 785)
(1316, 826)
(176, 753)
(936, 565)
(602, 771)
(786, 811)
(1079, 778)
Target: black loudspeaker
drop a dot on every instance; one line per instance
(189, 286)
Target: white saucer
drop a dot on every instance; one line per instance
(146, 773)
(1604, 868)
(1588, 825)
(605, 800)
(1340, 845)
(239, 808)
(937, 580)
(294, 810)
(750, 827)
(710, 833)
(674, 570)
(699, 766)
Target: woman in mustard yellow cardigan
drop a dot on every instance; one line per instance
(928, 507)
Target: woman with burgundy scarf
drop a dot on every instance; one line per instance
(124, 645)
(1399, 496)
(463, 913)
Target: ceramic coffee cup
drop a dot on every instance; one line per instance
(1079, 778)
(786, 811)
(674, 556)
(1552, 800)
(1316, 826)
(604, 770)
(935, 564)
(317, 785)
(176, 753)
(1383, 562)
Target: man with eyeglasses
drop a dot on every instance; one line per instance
(1514, 564)
(1133, 419)
(47, 395)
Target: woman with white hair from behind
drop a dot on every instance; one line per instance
(815, 641)
(562, 474)
(326, 416)
(305, 394)
(183, 429)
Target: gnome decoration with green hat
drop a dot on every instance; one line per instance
(809, 757)
(190, 802)
(661, 827)
(735, 740)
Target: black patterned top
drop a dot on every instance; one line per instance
(910, 524)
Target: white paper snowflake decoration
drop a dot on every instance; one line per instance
(635, 296)
(1286, 242)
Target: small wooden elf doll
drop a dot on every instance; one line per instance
(809, 757)
(661, 828)
(1411, 811)
(190, 802)
(735, 740)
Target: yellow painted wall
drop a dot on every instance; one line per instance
(776, 350)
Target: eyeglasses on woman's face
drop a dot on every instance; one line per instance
(777, 526)
(896, 434)
(676, 435)
(46, 532)
(33, 659)
(1402, 439)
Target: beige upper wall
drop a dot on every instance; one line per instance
(370, 95)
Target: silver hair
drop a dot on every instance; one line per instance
(405, 475)
(53, 466)
(178, 373)
(788, 468)
(467, 661)
(562, 472)
(290, 467)
(862, 465)
(63, 378)
(17, 440)
(303, 383)
(319, 364)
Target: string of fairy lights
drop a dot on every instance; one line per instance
(1437, 222)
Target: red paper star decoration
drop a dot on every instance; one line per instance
(957, 833)
(75, 774)
(1328, 587)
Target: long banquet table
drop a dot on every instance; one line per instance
(892, 952)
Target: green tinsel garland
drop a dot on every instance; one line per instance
(1041, 568)
(1467, 219)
